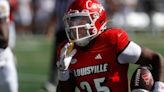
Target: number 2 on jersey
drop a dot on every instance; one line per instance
(85, 85)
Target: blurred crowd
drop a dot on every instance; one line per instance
(33, 16)
(37, 16)
(138, 14)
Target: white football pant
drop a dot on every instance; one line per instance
(8, 73)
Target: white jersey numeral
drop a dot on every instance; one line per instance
(85, 85)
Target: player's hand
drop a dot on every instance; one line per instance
(67, 52)
(158, 87)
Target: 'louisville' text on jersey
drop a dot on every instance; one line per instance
(91, 70)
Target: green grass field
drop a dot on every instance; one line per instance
(33, 58)
(34, 52)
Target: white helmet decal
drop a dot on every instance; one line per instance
(87, 4)
(94, 5)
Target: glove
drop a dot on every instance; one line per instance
(66, 54)
(158, 87)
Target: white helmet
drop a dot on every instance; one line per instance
(4, 9)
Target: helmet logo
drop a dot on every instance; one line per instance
(90, 5)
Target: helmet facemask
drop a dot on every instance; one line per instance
(80, 26)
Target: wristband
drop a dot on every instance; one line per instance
(63, 75)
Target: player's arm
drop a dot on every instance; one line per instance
(156, 60)
(130, 52)
(66, 79)
(133, 53)
(66, 85)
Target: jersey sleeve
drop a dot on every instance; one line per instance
(122, 40)
(128, 51)
(130, 54)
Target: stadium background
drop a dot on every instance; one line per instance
(35, 28)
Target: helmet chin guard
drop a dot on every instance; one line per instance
(83, 42)
(84, 21)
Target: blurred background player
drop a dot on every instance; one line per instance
(12, 28)
(8, 73)
(100, 57)
(23, 17)
(41, 11)
(59, 36)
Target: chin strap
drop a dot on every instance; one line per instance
(63, 75)
(104, 26)
(83, 42)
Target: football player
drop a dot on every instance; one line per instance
(12, 29)
(96, 58)
(8, 73)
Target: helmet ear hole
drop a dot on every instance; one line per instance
(94, 31)
(96, 15)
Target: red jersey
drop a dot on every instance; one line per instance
(96, 69)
